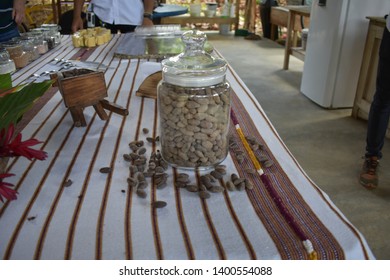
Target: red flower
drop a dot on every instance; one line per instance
(5, 191)
(17, 147)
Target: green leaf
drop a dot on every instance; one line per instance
(15, 104)
(5, 81)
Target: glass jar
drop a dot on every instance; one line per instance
(194, 106)
(52, 32)
(7, 65)
(28, 46)
(13, 48)
(16, 53)
(39, 40)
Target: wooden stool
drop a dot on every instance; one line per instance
(81, 88)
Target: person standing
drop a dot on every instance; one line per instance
(12, 13)
(118, 15)
(379, 114)
(265, 16)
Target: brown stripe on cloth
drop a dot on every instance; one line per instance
(154, 216)
(128, 240)
(127, 221)
(99, 232)
(131, 193)
(83, 54)
(42, 236)
(273, 221)
(236, 221)
(11, 164)
(113, 43)
(76, 211)
(320, 193)
(72, 229)
(283, 235)
(11, 243)
(48, 219)
(111, 60)
(181, 219)
(317, 234)
(267, 210)
(30, 114)
(209, 221)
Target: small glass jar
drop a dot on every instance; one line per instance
(13, 48)
(194, 107)
(28, 46)
(16, 53)
(52, 32)
(39, 40)
(7, 65)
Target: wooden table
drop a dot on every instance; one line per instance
(279, 17)
(293, 12)
(99, 216)
(187, 18)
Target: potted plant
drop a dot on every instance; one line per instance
(14, 102)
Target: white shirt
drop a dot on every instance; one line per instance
(128, 12)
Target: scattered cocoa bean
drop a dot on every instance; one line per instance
(159, 204)
(105, 170)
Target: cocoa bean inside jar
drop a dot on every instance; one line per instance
(194, 107)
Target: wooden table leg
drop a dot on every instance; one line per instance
(294, 42)
(287, 49)
(273, 26)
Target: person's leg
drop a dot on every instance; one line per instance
(378, 117)
(380, 108)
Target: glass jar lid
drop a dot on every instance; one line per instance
(26, 42)
(194, 67)
(51, 26)
(13, 48)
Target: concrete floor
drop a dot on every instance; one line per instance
(329, 144)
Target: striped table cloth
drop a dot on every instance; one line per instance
(100, 217)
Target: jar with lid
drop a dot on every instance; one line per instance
(7, 65)
(16, 53)
(28, 46)
(52, 32)
(194, 106)
(38, 40)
